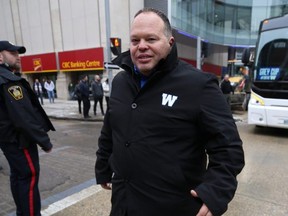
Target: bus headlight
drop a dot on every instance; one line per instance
(256, 100)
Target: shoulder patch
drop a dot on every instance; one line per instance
(16, 92)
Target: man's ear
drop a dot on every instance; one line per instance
(171, 41)
(1, 58)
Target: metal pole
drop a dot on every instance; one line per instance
(198, 53)
(108, 35)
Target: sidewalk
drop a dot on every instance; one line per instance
(92, 201)
(68, 109)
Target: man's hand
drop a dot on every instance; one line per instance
(107, 186)
(204, 211)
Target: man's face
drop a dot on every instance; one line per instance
(11, 58)
(148, 44)
(244, 71)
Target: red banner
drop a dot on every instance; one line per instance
(41, 63)
(81, 60)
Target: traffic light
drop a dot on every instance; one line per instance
(115, 46)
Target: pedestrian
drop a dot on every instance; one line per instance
(24, 124)
(38, 89)
(45, 94)
(106, 91)
(97, 92)
(246, 86)
(49, 86)
(71, 89)
(84, 91)
(165, 119)
(226, 88)
(77, 95)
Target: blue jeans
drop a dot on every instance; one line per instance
(51, 96)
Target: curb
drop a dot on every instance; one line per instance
(75, 118)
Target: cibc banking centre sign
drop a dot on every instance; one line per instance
(81, 60)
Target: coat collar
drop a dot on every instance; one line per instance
(8, 74)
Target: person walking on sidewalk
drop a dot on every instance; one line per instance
(49, 86)
(84, 91)
(165, 118)
(24, 124)
(78, 96)
(106, 90)
(97, 92)
(246, 85)
(38, 89)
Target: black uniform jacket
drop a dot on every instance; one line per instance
(22, 119)
(154, 141)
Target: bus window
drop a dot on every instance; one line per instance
(273, 61)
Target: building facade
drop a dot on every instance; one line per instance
(67, 38)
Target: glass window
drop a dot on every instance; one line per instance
(273, 61)
(279, 10)
(233, 22)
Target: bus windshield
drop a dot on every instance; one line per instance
(268, 105)
(272, 62)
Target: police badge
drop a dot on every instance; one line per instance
(16, 92)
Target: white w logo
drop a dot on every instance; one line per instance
(167, 98)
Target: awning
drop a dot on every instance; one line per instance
(40, 63)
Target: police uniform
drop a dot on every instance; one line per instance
(23, 125)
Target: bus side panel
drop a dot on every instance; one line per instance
(273, 114)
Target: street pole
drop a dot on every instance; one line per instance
(108, 35)
(198, 53)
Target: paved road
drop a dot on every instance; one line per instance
(70, 187)
(263, 182)
(68, 169)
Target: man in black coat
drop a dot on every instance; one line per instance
(23, 125)
(165, 119)
(226, 88)
(97, 91)
(84, 91)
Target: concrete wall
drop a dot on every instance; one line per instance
(59, 25)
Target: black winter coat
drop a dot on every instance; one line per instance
(97, 89)
(22, 119)
(226, 87)
(84, 89)
(154, 141)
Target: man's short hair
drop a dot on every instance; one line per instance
(82, 76)
(168, 29)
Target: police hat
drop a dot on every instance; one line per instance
(6, 45)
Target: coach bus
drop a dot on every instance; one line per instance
(268, 105)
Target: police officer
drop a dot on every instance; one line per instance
(23, 125)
